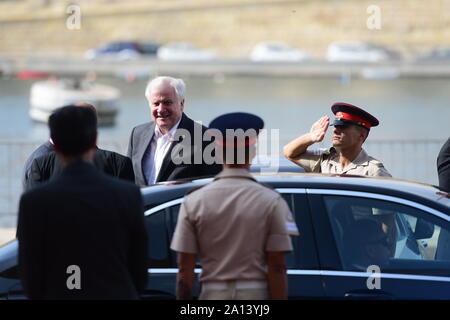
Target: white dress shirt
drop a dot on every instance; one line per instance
(158, 148)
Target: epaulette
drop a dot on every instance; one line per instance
(376, 162)
(379, 165)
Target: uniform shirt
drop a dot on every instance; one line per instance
(327, 161)
(232, 222)
(157, 151)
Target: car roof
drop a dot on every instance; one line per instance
(424, 193)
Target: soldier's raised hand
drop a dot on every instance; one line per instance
(319, 129)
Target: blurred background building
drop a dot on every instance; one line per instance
(229, 27)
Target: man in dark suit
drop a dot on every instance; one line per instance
(43, 163)
(49, 165)
(43, 149)
(82, 234)
(443, 169)
(443, 166)
(171, 146)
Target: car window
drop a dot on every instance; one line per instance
(394, 237)
(292, 259)
(304, 253)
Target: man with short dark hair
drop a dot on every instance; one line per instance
(41, 150)
(366, 244)
(351, 128)
(347, 156)
(443, 166)
(82, 234)
(43, 164)
(443, 169)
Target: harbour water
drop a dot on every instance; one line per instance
(414, 117)
(407, 108)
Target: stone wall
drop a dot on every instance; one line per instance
(230, 27)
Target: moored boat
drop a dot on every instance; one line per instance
(46, 96)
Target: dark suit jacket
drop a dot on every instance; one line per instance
(140, 142)
(48, 166)
(443, 166)
(88, 219)
(43, 149)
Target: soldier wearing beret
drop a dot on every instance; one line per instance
(239, 227)
(351, 128)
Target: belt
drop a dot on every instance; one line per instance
(237, 284)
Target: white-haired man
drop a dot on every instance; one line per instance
(151, 146)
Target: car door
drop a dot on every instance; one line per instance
(160, 223)
(304, 279)
(302, 263)
(10, 285)
(377, 246)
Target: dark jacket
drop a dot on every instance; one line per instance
(48, 166)
(443, 166)
(43, 149)
(140, 142)
(87, 219)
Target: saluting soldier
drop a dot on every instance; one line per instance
(239, 227)
(351, 128)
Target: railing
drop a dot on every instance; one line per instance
(13, 155)
(408, 159)
(411, 160)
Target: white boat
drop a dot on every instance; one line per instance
(358, 51)
(276, 51)
(380, 73)
(183, 51)
(46, 96)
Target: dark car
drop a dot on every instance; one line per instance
(437, 55)
(326, 262)
(122, 50)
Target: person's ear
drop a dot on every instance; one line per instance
(94, 144)
(182, 105)
(363, 134)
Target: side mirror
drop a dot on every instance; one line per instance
(424, 229)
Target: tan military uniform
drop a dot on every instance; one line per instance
(327, 161)
(232, 222)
